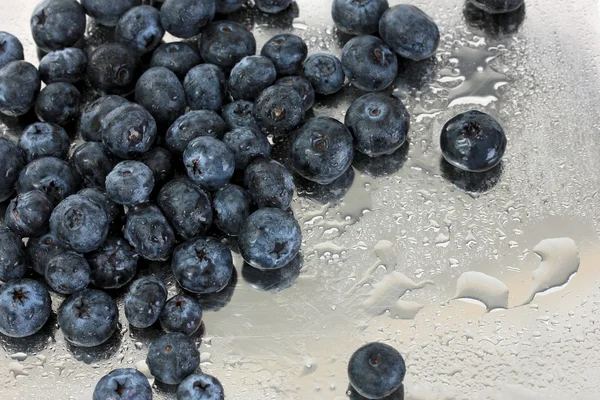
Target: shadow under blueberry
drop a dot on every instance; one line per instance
(414, 76)
(324, 194)
(105, 351)
(14, 126)
(34, 343)
(218, 300)
(397, 395)
(383, 165)
(494, 25)
(273, 281)
(476, 182)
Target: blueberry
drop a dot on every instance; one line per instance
(369, 63)
(128, 130)
(58, 103)
(140, 29)
(90, 123)
(11, 49)
(250, 77)
(144, 301)
(278, 110)
(473, 141)
(186, 18)
(229, 6)
(12, 164)
(497, 6)
(204, 87)
(287, 52)
(160, 162)
(409, 32)
(123, 384)
(269, 183)
(114, 210)
(67, 65)
(378, 123)
(358, 17)
(40, 250)
(13, 260)
(52, 176)
(28, 214)
(232, 206)
(270, 238)
(149, 232)
(56, 24)
(25, 306)
(181, 313)
(88, 318)
(209, 162)
(19, 86)
(192, 125)
(179, 57)
(273, 280)
(376, 370)
(42, 139)
(325, 73)
(225, 43)
(246, 144)
(159, 91)
(238, 114)
(107, 13)
(272, 6)
(67, 273)
(114, 264)
(187, 207)
(322, 150)
(93, 162)
(130, 183)
(200, 387)
(80, 223)
(172, 358)
(113, 68)
(302, 86)
(202, 265)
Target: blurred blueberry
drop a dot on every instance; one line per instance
(67, 65)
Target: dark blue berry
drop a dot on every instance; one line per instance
(67, 65)
(123, 384)
(113, 68)
(204, 87)
(88, 318)
(229, 6)
(325, 73)
(269, 183)
(376, 370)
(159, 91)
(149, 232)
(497, 6)
(10, 167)
(246, 144)
(272, 6)
(287, 52)
(130, 183)
(56, 24)
(40, 250)
(273, 280)
(209, 162)
(191, 126)
(93, 161)
(42, 139)
(51, 175)
(140, 29)
(13, 260)
(67, 273)
(186, 18)
(19, 86)
(128, 130)
(144, 301)
(25, 306)
(303, 87)
(278, 110)
(238, 114)
(11, 49)
(58, 103)
(250, 77)
(90, 123)
(473, 141)
(107, 13)
(160, 162)
(200, 387)
(114, 210)
(181, 313)
(225, 43)
(172, 358)
(179, 57)
(28, 214)
(114, 264)
(369, 63)
(358, 17)
(231, 204)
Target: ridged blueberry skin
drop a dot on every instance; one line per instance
(115, 211)
(107, 13)
(376, 370)
(182, 313)
(246, 144)
(202, 265)
(498, 6)
(369, 64)
(409, 32)
(13, 260)
(93, 162)
(204, 87)
(11, 48)
(325, 73)
(56, 24)
(28, 214)
(229, 6)
(114, 264)
(186, 18)
(225, 43)
(161, 163)
(238, 114)
(144, 301)
(187, 207)
(90, 122)
(123, 384)
(278, 110)
(66, 65)
(58, 103)
(67, 273)
(179, 57)
(128, 131)
(191, 126)
(140, 29)
(130, 183)
(13, 162)
(231, 206)
(302, 86)
(358, 17)
(287, 52)
(40, 250)
(209, 162)
(322, 150)
(149, 232)
(88, 318)
(113, 68)
(272, 6)
(473, 141)
(25, 306)
(172, 358)
(159, 91)
(80, 223)
(270, 238)
(51, 175)
(378, 123)
(43, 139)
(200, 387)
(250, 77)
(269, 183)
(19, 87)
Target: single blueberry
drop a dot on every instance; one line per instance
(42, 139)
(93, 162)
(192, 125)
(19, 87)
(159, 91)
(114, 210)
(287, 52)
(322, 150)
(229, 6)
(67, 65)
(88, 318)
(225, 43)
(67, 273)
(130, 183)
(128, 130)
(160, 162)
(272, 6)
(28, 214)
(302, 86)
(250, 77)
(12, 164)
(369, 63)
(13, 260)
(376, 370)
(40, 250)
(358, 17)
(179, 57)
(51, 175)
(56, 24)
(123, 384)
(202, 265)
(231, 206)
(269, 183)
(209, 162)
(149, 232)
(113, 68)
(473, 141)
(498, 6)
(182, 313)
(238, 114)
(409, 32)
(114, 264)
(11, 49)
(246, 144)
(204, 87)
(200, 387)
(172, 358)
(278, 110)
(325, 73)
(378, 123)
(270, 238)
(140, 29)
(90, 123)
(25, 306)
(144, 301)
(187, 207)
(186, 18)
(58, 103)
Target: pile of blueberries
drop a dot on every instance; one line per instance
(175, 158)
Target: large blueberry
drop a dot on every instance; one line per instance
(128, 130)
(238, 114)
(140, 29)
(144, 301)
(182, 313)
(186, 18)
(58, 103)
(232, 206)
(149, 232)
(25, 306)
(250, 77)
(192, 125)
(40, 250)
(161, 93)
(160, 162)
(278, 110)
(200, 387)
(376, 370)
(204, 87)
(179, 57)
(11, 49)
(67, 273)
(272, 6)
(369, 63)
(246, 144)
(51, 175)
(358, 17)
(473, 141)
(287, 52)
(12, 164)
(67, 65)
(225, 43)
(123, 384)
(269, 183)
(172, 358)
(28, 214)
(93, 161)
(209, 162)
(325, 73)
(113, 68)
(42, 139)
(322, 150)
(90, 123)
(378, 123)
(19, 86)
(114, 264)
(229, 6)
(302, 86)
(13, 260)
(270, 238)
(114, 210)
(56, 24)
(88, 318)
(497, 6)
(130, 183)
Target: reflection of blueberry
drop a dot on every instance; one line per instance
(172, 358)
(494, 24)
(114, 264)
(231, 204)
(186, 18)
(42, 139)
(128, 130)
(497, 6)
(357, 17)
(90, 123)
(209, 162)
(12, 164)
(159, 91)
(28, 214)
(325, 73)
(179, 57)
(200, 387)
(238, 114)
(225, 43)
(272, 6)
(278, 110)
(204, 87)
(40, 250)
(369, 63)
(192, 125)
(269, 183)
(182, 313)
(56, 24)
(93, 161)
(108, 12)
(144, 301)
(121, 384)
(324, 194)
(11, 49)
(67, 65)
(476, 182)
(58, 103)
(398, 394)
(303, 87)
(25, 306)
(13, 260)
(275, 280)
(376, 370)
(149, 232)
(140, 29)
(246, 144)
(51, 175)
(287, 52)
(67, 273)
(19, 86)
(229, 6)
(113, 68)
(250, 77)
